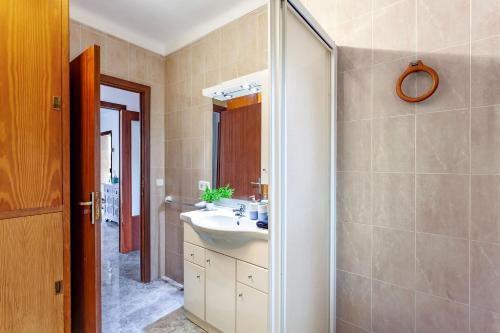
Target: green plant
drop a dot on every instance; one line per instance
(226, 192)
(210, 195)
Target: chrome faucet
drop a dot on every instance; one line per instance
(239, 212)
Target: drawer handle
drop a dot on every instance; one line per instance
(250, 277)
(208, 261)
(192, 254)
(197, 276)
(240, 295)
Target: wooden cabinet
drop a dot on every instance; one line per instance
(34, 166)
(111, 202)
(194, 289)
(220, 291)
(251, 310)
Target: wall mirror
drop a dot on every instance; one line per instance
(240, 141)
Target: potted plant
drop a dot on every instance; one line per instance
(226, 192)
(210, 196)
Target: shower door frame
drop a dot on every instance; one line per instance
(277, 14)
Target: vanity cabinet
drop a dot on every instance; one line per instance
(220, 291)
(194, 289)
(251, 310)
(223, 293)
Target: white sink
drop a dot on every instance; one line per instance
(222, 225)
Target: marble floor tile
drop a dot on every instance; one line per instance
(128, 305)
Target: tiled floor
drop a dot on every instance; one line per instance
(129, 306)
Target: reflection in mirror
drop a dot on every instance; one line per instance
(240, 135)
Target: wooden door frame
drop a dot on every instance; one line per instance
(145, 116)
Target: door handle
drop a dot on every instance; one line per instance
(94, 204)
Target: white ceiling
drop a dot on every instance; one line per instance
(161, 26)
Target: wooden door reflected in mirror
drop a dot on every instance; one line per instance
(237, 145)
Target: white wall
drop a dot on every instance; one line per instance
(110, 121)
(114, 95)
(136, 168)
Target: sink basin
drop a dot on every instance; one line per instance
(222, 225)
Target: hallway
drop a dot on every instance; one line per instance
(128, 305)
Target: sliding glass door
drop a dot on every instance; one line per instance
(303, 171)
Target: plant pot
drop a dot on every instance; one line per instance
(210, 206)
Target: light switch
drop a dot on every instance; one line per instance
(202, 184)
(159, 181)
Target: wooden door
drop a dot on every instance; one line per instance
(239, 149)
(130, 224)
(220, 293)
(85, 182)
(30, 125)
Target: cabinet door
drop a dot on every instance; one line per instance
(251, 310)
(31, 261)
(30, 126)
(194, 289)
(220, 291)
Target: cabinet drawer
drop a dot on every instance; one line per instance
(253, 276)
(194, 254)
(251, 310)
(194, 289)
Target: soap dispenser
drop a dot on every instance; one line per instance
(253, 208)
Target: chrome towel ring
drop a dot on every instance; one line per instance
(413, 67)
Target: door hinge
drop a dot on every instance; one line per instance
(58, 285)
(56, 102)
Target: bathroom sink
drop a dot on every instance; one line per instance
(221, 225)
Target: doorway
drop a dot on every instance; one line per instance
(134, 193)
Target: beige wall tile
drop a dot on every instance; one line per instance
(377, 4)
(442, 23)
(344, 327)
(75, 35)
(353, 197)
(355, 95)
(394, 200)
(442, 267)
(443, 142)
(394, 144)
(442, 204)
(356, 35)
(354, 145)
(385, 101)
(354, 299)
(485, 66)
(485, 18)
(394, 256)
(354, 251)
(393, 308)
(484, 321)
(453, 67)
(346, 10)
(485, 272)
(394, 31)
(137, 63)
(485, 208)
(485, 140)
(436, 315)
(117, 57)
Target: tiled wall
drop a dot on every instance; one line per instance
(237, 49)
(418, 184)
(127, 61)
